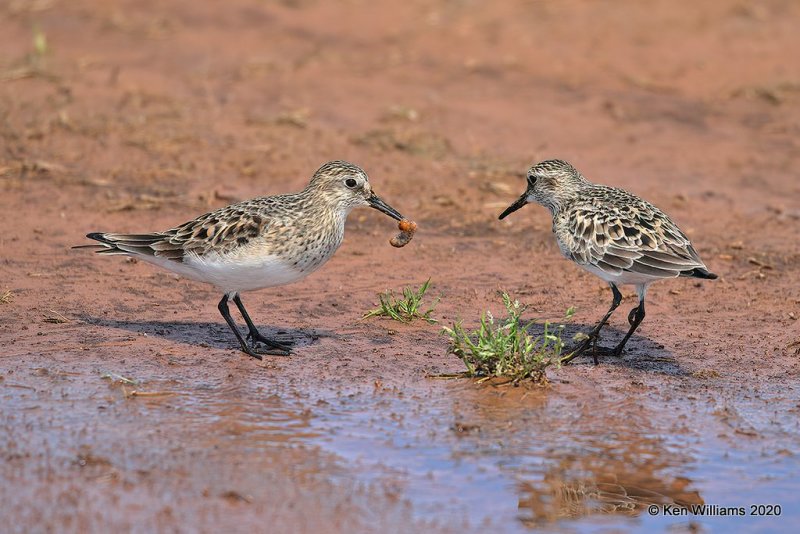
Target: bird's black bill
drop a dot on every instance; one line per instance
(521, 201)
(376, 202)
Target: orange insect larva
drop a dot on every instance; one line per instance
(407, 229)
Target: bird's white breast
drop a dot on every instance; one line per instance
(623, 278)
(244, 273)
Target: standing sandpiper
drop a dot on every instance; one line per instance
(612, 234)
(264, 242)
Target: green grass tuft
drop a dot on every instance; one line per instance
(404, 309)
(502, 347)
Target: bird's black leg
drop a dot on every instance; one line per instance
(226, 314)
(254, 334)
(635, 318)
(591, 340)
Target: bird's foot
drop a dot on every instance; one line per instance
(589, 346)
(582, 347)
(250, 351)
(606, 351)
(616, 351)
(274, 348)
(258, 353)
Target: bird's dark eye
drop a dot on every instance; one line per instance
(350, 182)
(531, 179)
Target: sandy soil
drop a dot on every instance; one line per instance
(139, 115)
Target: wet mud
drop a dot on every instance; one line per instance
(124, 402)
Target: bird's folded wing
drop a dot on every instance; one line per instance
(629, 240)
(221, 231)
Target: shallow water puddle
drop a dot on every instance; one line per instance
(244, 419)
(571, 456)
(521, 459)
(578, 456)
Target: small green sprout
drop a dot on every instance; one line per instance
(39, 42)
(404, 309)
(504, 348)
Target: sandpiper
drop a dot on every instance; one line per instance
(613, 234)
(258, 243)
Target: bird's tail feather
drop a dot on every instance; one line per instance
(129, 244)
(699, 272)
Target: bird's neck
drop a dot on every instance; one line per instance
(561, 200)
(558, 203)
(322, 209)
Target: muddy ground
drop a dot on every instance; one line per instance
(139, 115)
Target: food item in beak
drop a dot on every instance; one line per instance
(407, 229)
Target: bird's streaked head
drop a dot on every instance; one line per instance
(549, 183)
(347, 185)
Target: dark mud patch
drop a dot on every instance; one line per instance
(206, 334)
